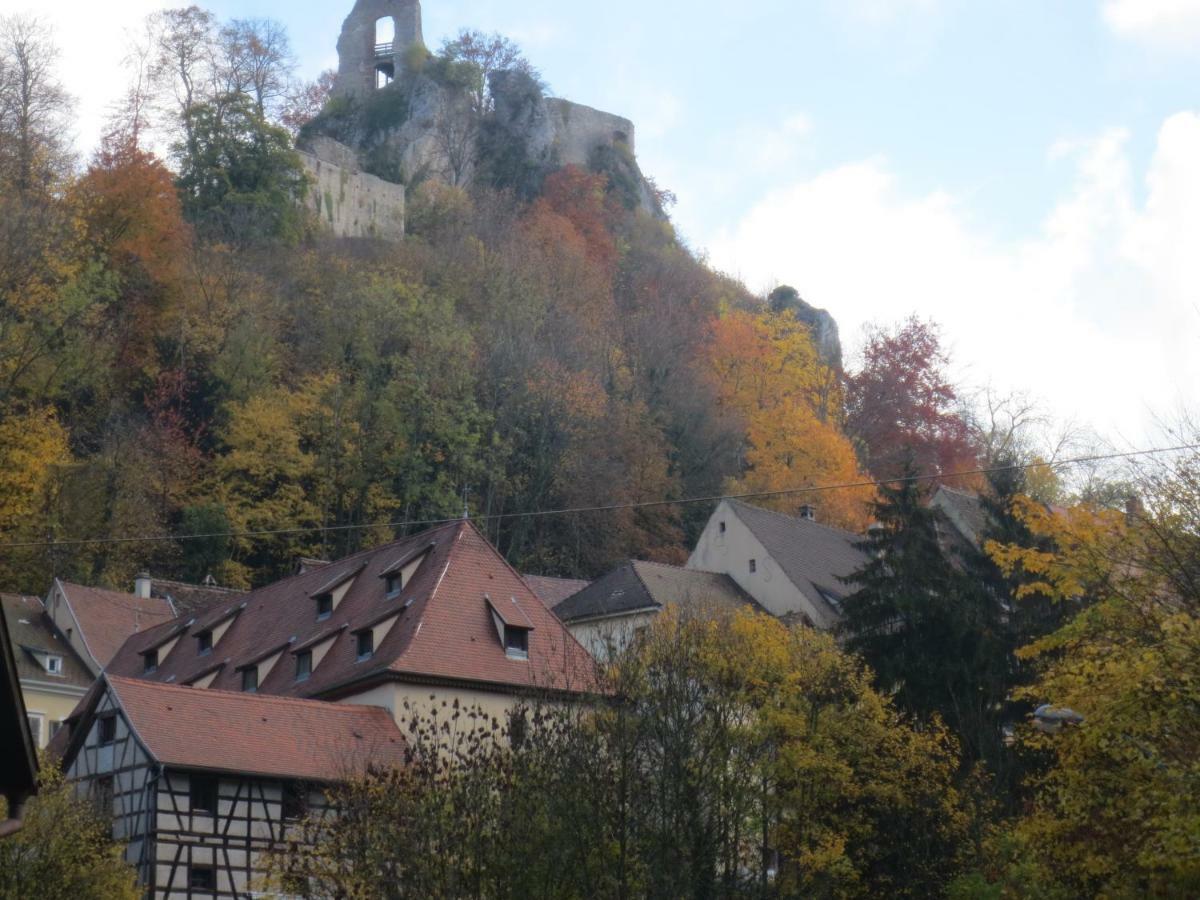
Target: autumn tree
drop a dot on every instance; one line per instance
(766, 369)
(65, 850)
(901, 404)
(1114, 814)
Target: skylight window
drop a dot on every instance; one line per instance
(204, 643)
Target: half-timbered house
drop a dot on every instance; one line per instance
(201, 783)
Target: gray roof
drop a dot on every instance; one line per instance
(192, 599)
(637, 585)
(553, 591)
(33, 634)
(813, 557)
(965, 512)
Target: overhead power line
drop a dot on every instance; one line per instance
(613, 507)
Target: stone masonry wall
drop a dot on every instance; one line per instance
(348, 201)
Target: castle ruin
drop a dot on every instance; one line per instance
(390, 125)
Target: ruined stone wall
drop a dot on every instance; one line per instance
(358, 60)
(348, 201)
(575, 130)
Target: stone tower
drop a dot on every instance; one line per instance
(375, 38)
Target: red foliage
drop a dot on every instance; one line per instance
(582, 198)
(901, 404)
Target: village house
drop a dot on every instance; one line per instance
(53, 679)
(208, 733)
(793, 566)
(436, 617)
(202, 783)
(97, 621)
(18, 754)
(608, 614)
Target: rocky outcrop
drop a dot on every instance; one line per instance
(395, 120)
(824, 326)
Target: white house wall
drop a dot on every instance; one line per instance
(134, 777)
(730, 553)
(607, 637)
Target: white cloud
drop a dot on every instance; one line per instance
(1158, 22)
(1099, 311)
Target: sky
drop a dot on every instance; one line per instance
(1026, 174)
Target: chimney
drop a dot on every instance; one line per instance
(141, 585)
(808, 512)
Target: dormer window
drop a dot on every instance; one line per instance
(303, 665)
(150, 661)
(753, 566)
(107, 730)
(394, 584)
(324, 607)
(204, 643)
(516, 642)
(365, 645)
(721, 527)
(250, 680)
(54, 665)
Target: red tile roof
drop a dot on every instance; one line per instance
(107, 618)
(254, 734)
(443, 629)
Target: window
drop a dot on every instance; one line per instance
(54, 665)
(102, 795)
(203, 794)
(394, 584)
(35, 728)
(56, 726)
(202, 878)
(107, 729)
(204, 643)
(250, 680)
(518, 726)
(295, 800)
(721, 527)
(516, 642)
(324, 606)
(150, 661)
(366, 645)
(303, 665)
(753, 566)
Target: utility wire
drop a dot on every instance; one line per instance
(615, 507)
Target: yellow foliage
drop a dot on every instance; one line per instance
(32, 444)
(766, 368)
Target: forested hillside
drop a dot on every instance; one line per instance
(183, 352)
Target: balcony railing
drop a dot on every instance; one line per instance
(385, 49)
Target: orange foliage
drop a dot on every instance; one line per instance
(766, 368)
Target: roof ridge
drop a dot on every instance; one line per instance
(662, 565)
(282, 699)
(971, 495)
(798, 519)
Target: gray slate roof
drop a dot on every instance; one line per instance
(637, 585)
(553, 591)
(814, 557)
